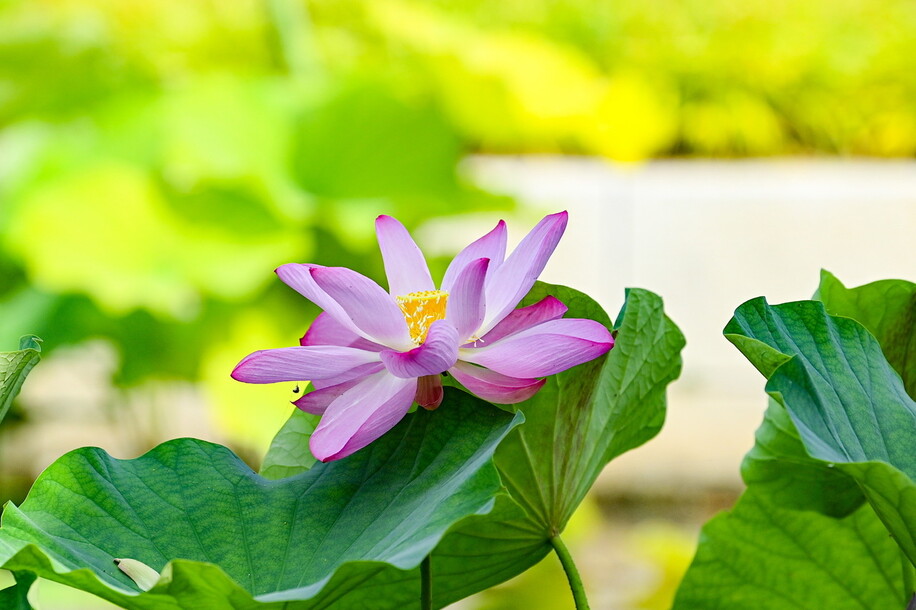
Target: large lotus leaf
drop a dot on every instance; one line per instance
(869, 435)
(15, 367)
(887, 308)
(762, 556)
(228, 538)
(580, 420)
(846, 402)
(779, 464)
(590, 414)
(575, 425)
(289, 452)
(778, 460)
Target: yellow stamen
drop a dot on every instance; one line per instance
(421, 309)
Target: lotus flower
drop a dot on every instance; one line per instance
(372, 353)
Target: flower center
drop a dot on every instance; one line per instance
(421, 309)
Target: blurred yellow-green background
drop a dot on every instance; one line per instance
(158, 159)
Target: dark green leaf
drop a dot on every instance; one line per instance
(16, 597)
(867, 434)
(840, 428)
(226, 537)
(779, 465)
(29, 342)
(15, 367)
(887, 308)
(847, 404)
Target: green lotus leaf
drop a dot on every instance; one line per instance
(222, 536)
(289, 452)
(887, 308)
(761, 556)
(847, 404)
(839, 430)
(15, 367)
(779, 463)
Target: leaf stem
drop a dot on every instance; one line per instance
(426, 584)
(572, 573)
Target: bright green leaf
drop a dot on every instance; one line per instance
(760, 556)
(222, 536)
(289, 452)
(15, 367)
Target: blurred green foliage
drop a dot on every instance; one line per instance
(630, 79)
(159, 158)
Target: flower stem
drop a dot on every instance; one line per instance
(572, 574)
(426, 584)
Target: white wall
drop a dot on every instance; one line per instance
(706, 236)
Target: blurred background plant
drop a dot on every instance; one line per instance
(159, 158)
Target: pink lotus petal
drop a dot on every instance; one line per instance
(546, 349)
(326, 330)
(317, 401)
(429, 392)
(300, 363)
(361, 415)
(299, 278)
(491, 246)
(437, 354)
(372, 310)
(466, 307)
(512, 280)
(493, 386)
(405, 265)
(582, 328)
(548, 308)
(357, 372)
